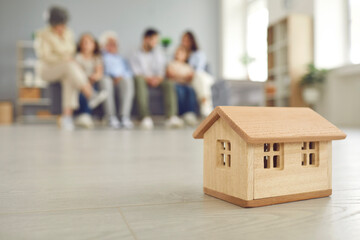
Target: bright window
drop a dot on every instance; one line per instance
(256, 39)
(354, 18)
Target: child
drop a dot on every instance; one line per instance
(88, 57)
(118, 75)
(182, 73)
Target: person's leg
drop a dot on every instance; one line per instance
(83, 106)
(83, 113)
(76, 79)
(73, 80)
(108, 84)
(181, 98)
(142, 97)
(190, 106)
(171, 105)
(57, 73)
(126, 89)
(170, 98)
(191, 99)
(202, 83)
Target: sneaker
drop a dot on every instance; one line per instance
(190, 119)
(114, 122)
(84, 120)
(147, 123)
(127, 123)
(174, 122)
(66, 123)
(97, 98)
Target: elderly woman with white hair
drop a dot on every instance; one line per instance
(117, 75)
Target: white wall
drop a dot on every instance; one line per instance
(18, 19)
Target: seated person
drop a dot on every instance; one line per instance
(55, 48)
(88, 57)
(148, 65)
(117, 75)
(181, 72)
(203, 81)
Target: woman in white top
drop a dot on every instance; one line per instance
(202, 80)
(55, 48)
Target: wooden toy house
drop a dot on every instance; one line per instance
(257, 156)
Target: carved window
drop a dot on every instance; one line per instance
(224, 153)
(310, 154)
(272, 158)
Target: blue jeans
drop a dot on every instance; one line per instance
(187, 101)
(83, 103)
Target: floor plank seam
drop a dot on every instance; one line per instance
(127, 224)
(100, 208)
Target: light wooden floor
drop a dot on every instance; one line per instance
(106, 184)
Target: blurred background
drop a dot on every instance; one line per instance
(137, 184)
(259, 51)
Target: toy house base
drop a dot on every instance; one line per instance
(267, 201)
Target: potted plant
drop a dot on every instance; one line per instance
(311, 84)
(165, 42)
(246, 60)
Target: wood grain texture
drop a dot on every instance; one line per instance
(236, 180)
(275, 124)
(6, 113)
(268, 201)
(29, 93)
(293, 178)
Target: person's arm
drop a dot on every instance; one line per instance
(127, 69)
(137, 68)
(170, 73)
(111, 65)
(161, 64)
(189, 77)
(69, 46)
(174, 74)
(43, 48)
(126, 72)
(64, 45)
(198, 61)
(98, 72)
(135, 64)
(160, 71)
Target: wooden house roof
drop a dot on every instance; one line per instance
(273, 124)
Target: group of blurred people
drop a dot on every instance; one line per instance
(90, 73)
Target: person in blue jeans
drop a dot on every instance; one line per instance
(89, 59)
(182, 74)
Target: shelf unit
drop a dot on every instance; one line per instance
(34, 108)
(290, 49)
